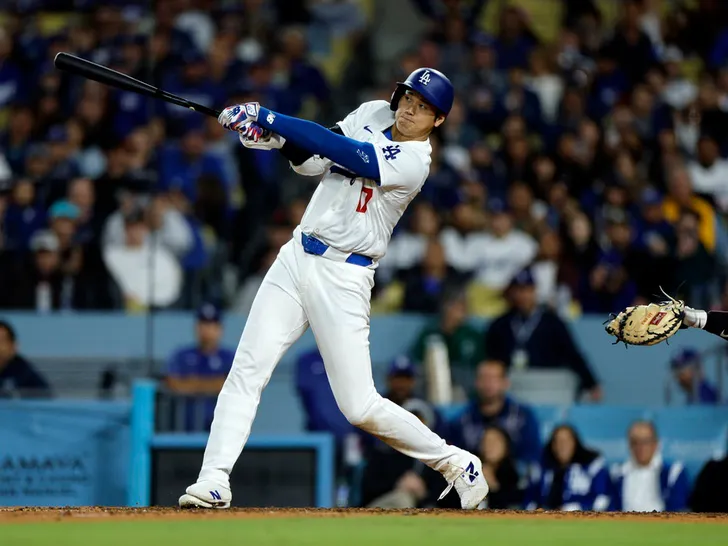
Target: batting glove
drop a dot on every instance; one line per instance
(256, 137)
(234, 117)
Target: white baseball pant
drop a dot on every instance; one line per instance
(332, 297)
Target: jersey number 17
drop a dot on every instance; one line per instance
(364, 197)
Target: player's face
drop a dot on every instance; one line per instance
(415, 118)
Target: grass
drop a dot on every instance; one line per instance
(364, 531)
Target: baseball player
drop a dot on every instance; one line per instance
(714, 322)
(373, 163)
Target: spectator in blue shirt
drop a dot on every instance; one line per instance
(322, 412)
(198, 372)
(570, 477)
(687, 369)
(491, 405)
(181, 165)
(647, 482)
(23, 216)
(18, 378)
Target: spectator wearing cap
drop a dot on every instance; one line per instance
(529, 335)
(146, 275)
(64, 217)
(64, 165)
(687, 369)
(463, 342)
(38, 282)
(198, 372)
(23, 215)
(491, 405)
(391, 479)
(18, 377)
(189, 80)
(181, 165)
(612, 284)
(647, 482)
(655, 240)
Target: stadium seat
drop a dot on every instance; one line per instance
(605, 428)
(550, 387)
(548, 417)
(693, 434)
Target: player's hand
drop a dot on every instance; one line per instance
(234, 117)
(256, 137)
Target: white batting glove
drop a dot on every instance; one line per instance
(234, 117)
(256, 137)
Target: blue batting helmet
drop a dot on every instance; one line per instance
(432, 84)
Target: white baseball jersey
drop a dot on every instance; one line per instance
(354, 214)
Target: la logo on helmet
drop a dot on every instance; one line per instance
(425, 78)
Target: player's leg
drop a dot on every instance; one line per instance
(276, 321)
(338, 304)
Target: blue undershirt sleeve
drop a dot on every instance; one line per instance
(355, 156)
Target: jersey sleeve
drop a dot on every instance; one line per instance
(355, 118)
(313, 166)
(400, 167)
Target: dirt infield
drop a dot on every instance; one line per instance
(31, 515)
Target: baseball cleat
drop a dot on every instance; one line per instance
(206, 495)
(466, 475)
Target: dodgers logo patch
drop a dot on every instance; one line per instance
(271, 118)
(425, 78)
(363, 155)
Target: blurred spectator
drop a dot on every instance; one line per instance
(687, 369)
(612, 283)
(197, 373)
(146, 275)
(426, 284)
(532, 336)
(464, 344)
(491, 405)
(41, 286)
(681, 197)
(499, 469)
(710, 485)
(494, 257)
(570, 477)
(18, 377)
(23, 215)
(709, 172)
(647, 482)
(390, 479)
(322, 413)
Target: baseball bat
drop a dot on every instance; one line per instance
(107, 76)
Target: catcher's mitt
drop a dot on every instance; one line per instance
(647, 324)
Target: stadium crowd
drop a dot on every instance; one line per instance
(583, 166)
(596, 156)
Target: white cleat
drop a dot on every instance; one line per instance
(206, 495)
(466, 475)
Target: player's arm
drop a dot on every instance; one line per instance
(715, 322)
(358, 157)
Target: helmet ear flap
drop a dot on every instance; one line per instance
(396, 96)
